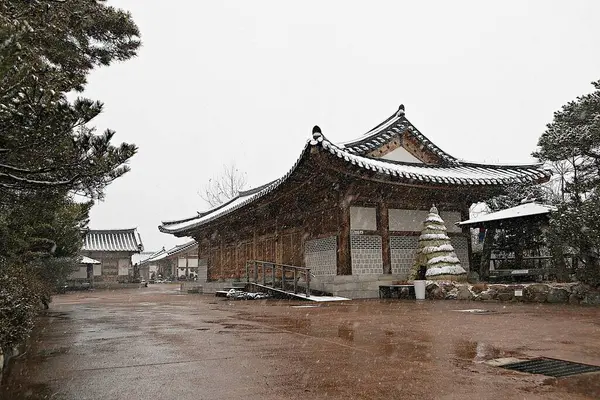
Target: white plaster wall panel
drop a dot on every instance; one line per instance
(461, 248)
(451, 218)
(412, 220)
(181, 263)
(402, 252)
(401, 154)
(320, 255)
(123, 264)
(202, 269)
(363, 218)
(366, 254)
(406, 220)
(192, 262)
(97, 270)
(79, 273)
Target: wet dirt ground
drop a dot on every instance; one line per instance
(154, 343)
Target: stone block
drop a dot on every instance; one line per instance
(479, 287)
(574, 299)
(557, 296)
(536, 293)
(591, 298)
(464, 293)
(504, 296)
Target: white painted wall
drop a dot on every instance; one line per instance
(202, 269)
(97, 269)
(401, 154)
(363, 218)
(80, 273)
(412, 220)
(124, 264)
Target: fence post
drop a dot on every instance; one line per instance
(264, 274)
(272, 275)
(295, 281)
(308, 282)
(283, 278)
(247, 273)
(255, 272)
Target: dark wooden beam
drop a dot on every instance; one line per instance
(384, 224)
(344, 262)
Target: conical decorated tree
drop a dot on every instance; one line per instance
(435, 252)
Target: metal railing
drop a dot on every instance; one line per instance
(277, 276)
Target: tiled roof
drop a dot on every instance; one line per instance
(385, 132)
(182, 248)
(520, 211)
(452, 172)
(113, 240)
(87, 260)
(162, 253)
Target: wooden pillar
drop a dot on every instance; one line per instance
(278, 243)
(221, 255)
(384, 224)
(344, 261)
(465, 215)
(254, 243)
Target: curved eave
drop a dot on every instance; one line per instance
(458, 174)
(254, 195)
(383, 133)
(467, 174)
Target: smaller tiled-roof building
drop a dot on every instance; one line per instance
(113, 248)
(176, 262)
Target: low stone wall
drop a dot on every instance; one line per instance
(565, 293)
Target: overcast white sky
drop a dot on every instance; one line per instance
(245, 81)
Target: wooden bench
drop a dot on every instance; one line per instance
(396, 291)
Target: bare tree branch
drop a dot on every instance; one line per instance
(224, 187)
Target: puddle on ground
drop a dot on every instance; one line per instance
(19, 390)
(475, 311)
(480, 352)
(346, 331)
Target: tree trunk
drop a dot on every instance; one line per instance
(558, 262)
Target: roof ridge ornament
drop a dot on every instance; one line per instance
(317, 135)
(401, 111)
(316, 132)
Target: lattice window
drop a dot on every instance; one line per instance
(366, 254)
(402, 251)
(320, 255)
(461, 248)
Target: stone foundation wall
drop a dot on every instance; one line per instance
(565, 293)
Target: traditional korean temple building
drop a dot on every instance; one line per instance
(178, 262)
(351, 211)
(113, 248)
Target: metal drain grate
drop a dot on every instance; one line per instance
(551, 367)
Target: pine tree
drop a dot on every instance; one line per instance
(573, 137)
(435, 252)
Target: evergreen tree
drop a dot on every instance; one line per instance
(48, 150)
(47, 48)
(435, 252)
(574, 137)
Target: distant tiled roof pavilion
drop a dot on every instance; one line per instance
(127, 240)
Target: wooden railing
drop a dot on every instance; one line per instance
(277, 275)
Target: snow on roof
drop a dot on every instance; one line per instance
(87, 260)
(520, 211)
(182, 248)
(113, 240)
(385, 132)
(453, 172)
(162, 253)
